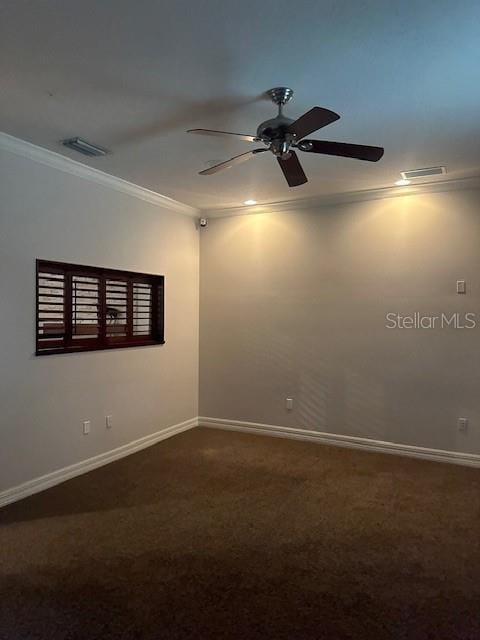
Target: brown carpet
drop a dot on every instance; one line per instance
(216, 534)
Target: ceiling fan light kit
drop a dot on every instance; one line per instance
(282, 135)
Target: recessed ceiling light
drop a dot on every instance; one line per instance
(402, 183)
(250, 202)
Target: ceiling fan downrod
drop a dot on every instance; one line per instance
(280, 96)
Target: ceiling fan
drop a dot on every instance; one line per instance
(282, 135)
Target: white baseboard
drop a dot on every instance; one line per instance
(351, 442)
(56, 477)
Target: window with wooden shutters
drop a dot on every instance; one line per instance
(83, 308)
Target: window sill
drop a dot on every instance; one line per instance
(83, 348)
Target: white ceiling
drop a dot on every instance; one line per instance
(133, 75)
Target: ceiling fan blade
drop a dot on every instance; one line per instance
(311, 121)
(358, 151)
(212, 132)
(232, 162)
(292, 170)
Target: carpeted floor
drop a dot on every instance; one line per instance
(217, 534)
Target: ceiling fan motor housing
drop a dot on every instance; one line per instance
(274, 132)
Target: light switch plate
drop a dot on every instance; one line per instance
(461, 286)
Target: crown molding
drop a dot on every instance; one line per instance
(67, 165)
(347, 197)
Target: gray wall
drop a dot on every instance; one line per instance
(49, 214)
(294, 304)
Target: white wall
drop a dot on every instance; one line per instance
(49, 214)
(293, 304)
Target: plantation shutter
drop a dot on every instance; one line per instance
(82, 308)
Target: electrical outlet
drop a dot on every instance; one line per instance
(289, 404)
(109, 421)
(86, 427)
(463, 424)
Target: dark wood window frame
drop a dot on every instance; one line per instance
(83, 308)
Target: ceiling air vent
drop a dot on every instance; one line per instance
(82, 146)
(423, 173)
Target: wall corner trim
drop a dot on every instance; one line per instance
(68, 165)
(61, 475)
(350, 442)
